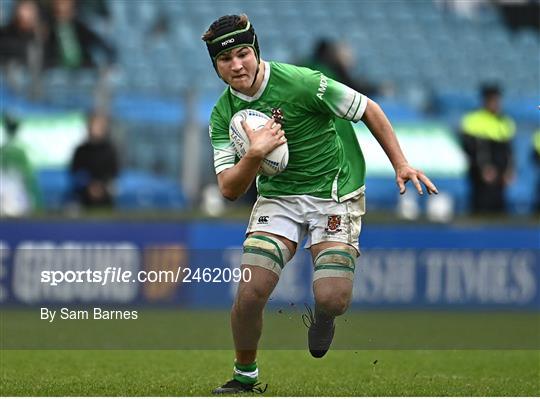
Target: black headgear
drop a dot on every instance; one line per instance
(229, 36)
(490, 90)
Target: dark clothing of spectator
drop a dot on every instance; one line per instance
(486, 139)
(487, 195)
(14, 44)
(93, 169)
(91, 8)
(72, 44)
(24, 29)
(334, 60)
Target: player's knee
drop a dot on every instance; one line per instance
(253, 294)
(267, 252)
(247, 308)
(333, 303)
(332, 279)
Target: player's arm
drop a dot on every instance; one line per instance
(234, 182)
(380, 127)
(329, 96)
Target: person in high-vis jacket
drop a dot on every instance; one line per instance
(487, 140)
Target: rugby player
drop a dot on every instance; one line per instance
(319, 196)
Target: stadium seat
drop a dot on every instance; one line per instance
(132, 107)
(137, 190)
(54, 186)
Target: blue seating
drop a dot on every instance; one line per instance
(134, 190)
(397, 111)
(521, 192)
(524, 109)
(381, 193)
(6, 7)
(138, 190)
(390, 22)
(148, 109)
(54, 186)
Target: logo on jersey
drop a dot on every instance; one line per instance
(333, 225)
(322, 87)
(263, 219)
(277, 115)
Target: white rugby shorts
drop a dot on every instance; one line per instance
(297, 216)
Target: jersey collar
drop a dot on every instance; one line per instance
(259, 92)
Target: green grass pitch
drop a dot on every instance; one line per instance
(187, 353)
(287, 372)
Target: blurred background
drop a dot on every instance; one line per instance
(104, 135)
(143, 67)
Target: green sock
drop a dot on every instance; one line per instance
(246, 373)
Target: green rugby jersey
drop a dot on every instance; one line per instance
(325, 159)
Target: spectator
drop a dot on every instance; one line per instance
(23, 31)
(160, 28)
(486, 136)
(536, 157)
(94, 166)
(70, 43)
(19, 193)
(335, 61)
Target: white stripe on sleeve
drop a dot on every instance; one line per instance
(224, 158)
(361, 109)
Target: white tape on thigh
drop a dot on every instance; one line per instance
(335, 262)
(267, 252)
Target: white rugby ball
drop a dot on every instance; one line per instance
(276, 161)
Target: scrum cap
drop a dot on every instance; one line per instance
(229, 36)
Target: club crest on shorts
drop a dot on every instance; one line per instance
(333, 225)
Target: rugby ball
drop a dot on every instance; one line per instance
(276, 161)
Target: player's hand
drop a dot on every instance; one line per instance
(265, 139)
(405, 172)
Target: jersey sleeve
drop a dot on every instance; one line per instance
(224, 153)
(330, 96)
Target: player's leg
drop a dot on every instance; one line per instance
(334, 247)
(265, 254)
(273, 231)
(332, 289)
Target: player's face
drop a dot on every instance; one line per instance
(238, 68)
